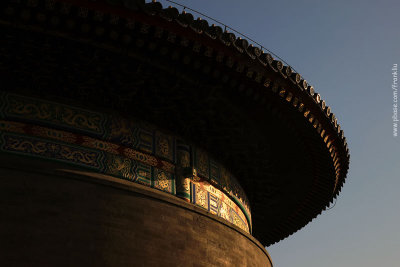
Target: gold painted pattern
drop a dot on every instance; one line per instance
(201, 197)
(73, 118)
(100, 145)
(163, 146)
(12, 127)
(162, 181)
(220, 204)
(139, 156)
(44, 148)
(123, 162)
(120, 167)
(24, 146)
(46, 111)
(54, 134)
(121, 129)
(16, 127)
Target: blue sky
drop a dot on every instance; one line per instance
(346, 50)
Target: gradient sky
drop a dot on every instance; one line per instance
(346, 50)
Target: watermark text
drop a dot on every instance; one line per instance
(395, 105)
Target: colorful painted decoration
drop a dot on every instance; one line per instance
(121, 148)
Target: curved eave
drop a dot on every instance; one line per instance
(258, 69)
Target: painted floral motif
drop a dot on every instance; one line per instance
(201, 197)
(162, 181)
(121, 167)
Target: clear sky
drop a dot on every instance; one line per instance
(346, 50)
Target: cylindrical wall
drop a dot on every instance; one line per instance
(123, 148)
(55, 217)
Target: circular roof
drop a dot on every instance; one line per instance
(258, 117)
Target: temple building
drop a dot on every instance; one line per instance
(133, 134)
